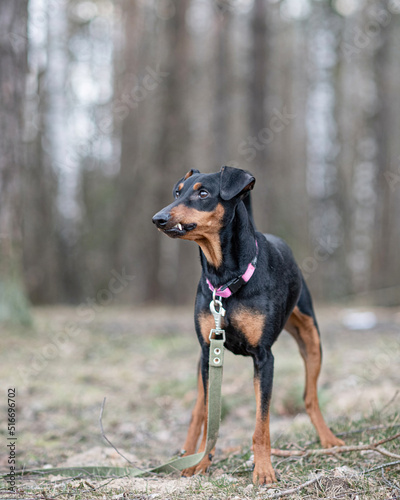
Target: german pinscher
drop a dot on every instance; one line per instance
(263, 292)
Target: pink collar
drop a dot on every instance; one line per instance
(233, 286)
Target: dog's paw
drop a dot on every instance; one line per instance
(331, 440)
(188, 472)
(263, 474)
(201, 468)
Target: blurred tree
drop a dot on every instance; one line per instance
(41, 264)
(46, 154)
(257, 111)
(130, 119)
(171, 155)
(223, 85)
(13, 57)
(154, 135)
(386, 239)
(325, 219)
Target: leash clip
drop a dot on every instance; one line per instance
(218, 315)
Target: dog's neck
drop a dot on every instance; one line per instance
(237, 249)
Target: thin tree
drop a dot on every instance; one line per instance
(13, 64)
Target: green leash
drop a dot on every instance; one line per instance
(215, 365)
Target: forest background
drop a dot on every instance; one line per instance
(106, 104)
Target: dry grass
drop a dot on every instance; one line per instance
(144, 362)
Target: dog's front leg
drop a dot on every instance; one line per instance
(263, 374)
(199, 416)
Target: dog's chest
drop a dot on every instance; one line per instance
(244, 328)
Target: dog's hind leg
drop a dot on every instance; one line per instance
(303, 327)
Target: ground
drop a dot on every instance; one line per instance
(144, 363)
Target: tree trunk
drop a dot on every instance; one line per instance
(365, 144)
(41, 257)
(13, 57)
(257, 111)
(131, 120)
(224, 88)
(383, 273)
(170, 279)
(322, 148)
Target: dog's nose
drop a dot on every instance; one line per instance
(161, 219)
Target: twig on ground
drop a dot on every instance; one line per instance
(90, 485)
(105, 437)
(382, 466)
(391, 401)
(339, 449)
(387, 482)
(298, 488)
(387, 453)
(105, 484)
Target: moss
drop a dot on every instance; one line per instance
(14, 306)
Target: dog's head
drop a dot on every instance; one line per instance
(203, 203)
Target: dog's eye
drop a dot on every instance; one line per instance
(177, 193)
(203, 194)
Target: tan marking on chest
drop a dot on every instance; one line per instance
(206, 232)
(207, 323)
(251, 323)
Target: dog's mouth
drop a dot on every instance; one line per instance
(178, 230)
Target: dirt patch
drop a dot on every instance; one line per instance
(144, 363)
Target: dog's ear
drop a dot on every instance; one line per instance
(190, 173)
(234, 182)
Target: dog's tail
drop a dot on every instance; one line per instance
(247, 204)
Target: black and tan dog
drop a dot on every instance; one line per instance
(263, 293)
